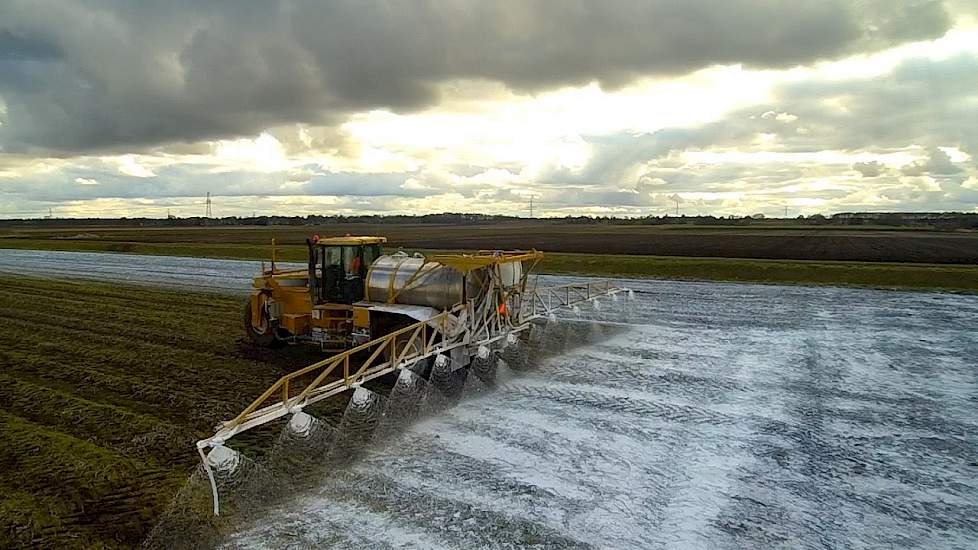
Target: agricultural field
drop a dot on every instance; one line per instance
(680, 424)
(103, 391)
(716, 416)
(873, 256)
(871, 244)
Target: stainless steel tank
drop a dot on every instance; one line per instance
(413, 281)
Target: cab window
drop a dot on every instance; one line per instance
(333, 255)
(352, 262)
(370, 254)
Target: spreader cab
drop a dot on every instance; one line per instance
(315, 302)
(349, 292)
(338, 267)
(426, 319)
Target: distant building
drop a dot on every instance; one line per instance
(895, 218)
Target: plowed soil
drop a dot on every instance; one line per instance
(103, 392)
(802, 243)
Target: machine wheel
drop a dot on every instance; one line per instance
(399, 347)
(264, 335)
(422, 367)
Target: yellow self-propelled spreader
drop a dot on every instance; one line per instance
(375, 314)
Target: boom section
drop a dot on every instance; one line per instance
(467, 327)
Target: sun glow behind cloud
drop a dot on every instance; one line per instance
(575, 149)
(262, 154)
(548, 127)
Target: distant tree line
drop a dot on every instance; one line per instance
(938, 220)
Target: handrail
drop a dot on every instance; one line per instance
(568, 295)
(486, 324)
(497, 315)
(284, 387)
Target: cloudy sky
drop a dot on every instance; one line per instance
(726, 107)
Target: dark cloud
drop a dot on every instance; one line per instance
(17, 47)
(913, 20)
(868, 169)
(117, 74)
(921, 103)
(97, 180)
(938, 163)
(575, 197)
(362, 185)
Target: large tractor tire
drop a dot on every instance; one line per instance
(265, 334)
(423, 366)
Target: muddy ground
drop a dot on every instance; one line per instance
(103, 391)
(719, 415)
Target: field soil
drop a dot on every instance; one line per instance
(873, 244)
(103, 391)
(720, 416)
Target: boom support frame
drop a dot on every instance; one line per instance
(467, 325)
